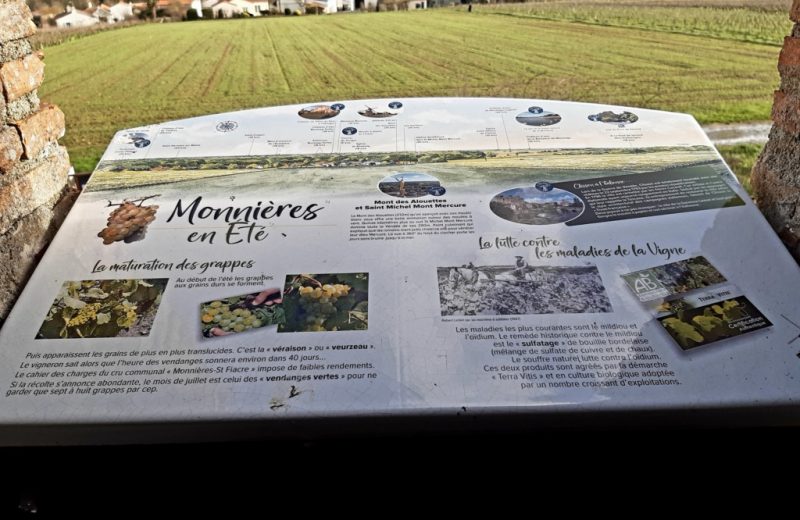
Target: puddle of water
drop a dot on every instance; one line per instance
(738, 133)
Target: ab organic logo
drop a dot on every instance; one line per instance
(645, 283)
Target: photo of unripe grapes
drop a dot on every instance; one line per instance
(241, 313)
(103, 309)
(128, 222)
(325, 302)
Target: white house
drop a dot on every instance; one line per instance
(226, 10)
(197, 5)
(121, 11)
(75, 18)
(112, 14)
(102, 13)
(248, 7)
(262, 7)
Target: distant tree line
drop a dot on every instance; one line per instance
(286, 161)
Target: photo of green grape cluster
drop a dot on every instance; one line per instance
(241, 313)
(325, 302)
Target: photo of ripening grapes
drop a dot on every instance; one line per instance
(695, 327)
(103, 309)
(234, 314)
(325, 302)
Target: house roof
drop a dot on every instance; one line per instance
(167, 3)
(74, 11)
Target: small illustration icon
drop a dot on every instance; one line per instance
(371, 112)
(139, 139)
(227, 126)
(543, 186)
(128, 221)
(349, 130)
(436, 191)
(395, 105)
(321, 111)
(620, 119)
(538, 116)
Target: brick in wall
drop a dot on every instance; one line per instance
(22, 76)
(35, 188)
(38, 129)
(10, 148)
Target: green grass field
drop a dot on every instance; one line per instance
(158, 72)
(758, 21)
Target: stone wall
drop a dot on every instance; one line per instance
(35, 194)
(776, 176)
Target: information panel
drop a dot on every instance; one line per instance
(405, 257)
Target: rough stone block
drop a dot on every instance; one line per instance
(23, 244)
(23, 167)
(779, 201)
(781, 155)
(10, 148)
(20, 77)
(790, 54)
(22, 107)
(776, 179)
(794, 13)
(14, 50)
(16, 20)
(36, 187)
(40, 128)
(786, 112)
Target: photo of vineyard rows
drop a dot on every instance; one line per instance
(520, 289)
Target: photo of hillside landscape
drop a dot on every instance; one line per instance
(534, 206)
(469, 171)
